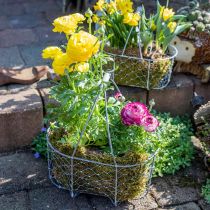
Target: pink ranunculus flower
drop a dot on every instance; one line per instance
(119, 97)
(150, 123)
(133, 113)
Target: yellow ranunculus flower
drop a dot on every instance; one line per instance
(60, 63)
(172, 26)
(65, 24)
(111, 7)
(167, 14)
(131, 19)
(68, 24)
(78, 17)
(99, 5)
(124, 6)
(95, 18)
(81, 46)
(51, 52)
(82, 67)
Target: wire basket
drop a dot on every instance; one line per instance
(91, 171)
(118, 182)
(141, 72)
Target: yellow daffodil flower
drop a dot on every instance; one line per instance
(99, 5)
(124, 6)
(51, 52)
(172, 26)
(82, 67)
(60, 63)
(167, 14)
(102, 22)
(111, 7)
(95, 18)
(81, 46)
(131, 19)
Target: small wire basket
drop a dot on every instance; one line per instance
(87, 170)
(137, 71)
(141, 72)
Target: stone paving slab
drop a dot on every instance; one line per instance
(46, 34)
(4, 22)
(10, 57)
(12, 37)
(16, 201)
(204, 205)
(167, 194)
(41, 6)
(188, 206)
(24, 183)
(54, 199)
(31, 54)
(11, 9)
(21, 171)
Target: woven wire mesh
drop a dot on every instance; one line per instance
(117, 182)
(91, 173)
(145, 73)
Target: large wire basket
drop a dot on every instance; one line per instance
(87, 170)
(142, 72)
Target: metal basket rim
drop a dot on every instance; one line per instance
(151, 157)
(147, 59)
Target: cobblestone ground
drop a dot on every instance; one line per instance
(24, 185)
(25, 29)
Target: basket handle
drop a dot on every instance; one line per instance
(139, 40)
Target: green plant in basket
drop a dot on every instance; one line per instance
(138, 43)
(80, 123)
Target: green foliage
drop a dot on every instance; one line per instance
(174, 144)
(160, 31)
(39, 144)
(206, 191)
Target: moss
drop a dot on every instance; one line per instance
(134, 72)
(96, 178)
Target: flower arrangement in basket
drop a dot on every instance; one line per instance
(140, 45)
(96, 144)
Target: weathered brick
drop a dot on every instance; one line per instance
(45, 94)
(27, 20)
(134, 93)
(10, 57)
(12, 37)
(21, 118)
(202, 89)
(176, 98)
